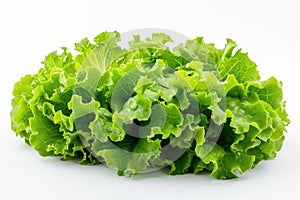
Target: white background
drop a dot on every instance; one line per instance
(268, 30)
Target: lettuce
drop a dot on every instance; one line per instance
(190, 109)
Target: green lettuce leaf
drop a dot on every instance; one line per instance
(191, 109)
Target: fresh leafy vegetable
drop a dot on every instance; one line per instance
(192, 108)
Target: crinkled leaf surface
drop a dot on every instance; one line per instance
(192, 108)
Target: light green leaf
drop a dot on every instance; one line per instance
(46, 137)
